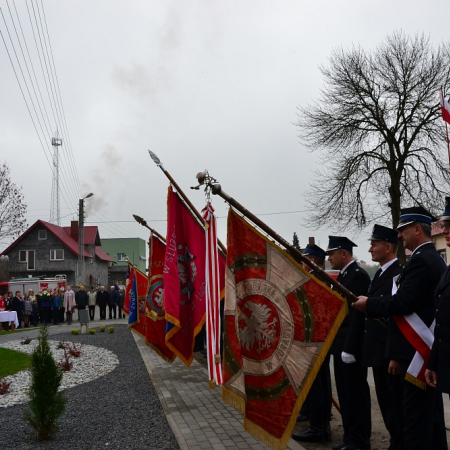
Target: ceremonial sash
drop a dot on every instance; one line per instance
(421, 338)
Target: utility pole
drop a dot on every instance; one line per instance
(81, 238)
(55, 216)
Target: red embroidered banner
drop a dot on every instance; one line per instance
(155, 332)
(279, 324)
(184, 278)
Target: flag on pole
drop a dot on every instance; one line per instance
(128, 286)
(184, 278)
(215, 273)
(279, 324)
(445, 108)
(136, 280)
(155, 332)
(133, 317)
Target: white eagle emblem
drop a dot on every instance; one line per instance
(257, 327)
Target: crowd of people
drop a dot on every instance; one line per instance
(54, 307)
(389, 328)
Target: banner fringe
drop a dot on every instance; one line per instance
(265, 437)
(160, 353)
(232, 399)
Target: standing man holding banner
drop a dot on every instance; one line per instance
(383, 248)
(350, 374)
(412, 308)
(438, 371)
(319, 399)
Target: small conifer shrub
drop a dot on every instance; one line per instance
(46, 403)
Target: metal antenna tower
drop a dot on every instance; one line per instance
(54, 207)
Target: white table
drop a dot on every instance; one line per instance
(9, 316)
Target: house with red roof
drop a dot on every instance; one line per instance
(438, 239)
(48, 250)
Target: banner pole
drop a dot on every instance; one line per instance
(157, 161)
(143, 222)
(216, 189)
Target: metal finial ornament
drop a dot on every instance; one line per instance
(205, 179)
(156, 160)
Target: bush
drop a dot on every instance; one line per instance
(102, 328)
(74, 331)
(46, 403)
(65, 364)
(92, 331)
(110, 330)
(73, 350)
(4, 386)
(26, 341)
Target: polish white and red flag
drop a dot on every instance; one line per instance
(215, 282)
(445, 108)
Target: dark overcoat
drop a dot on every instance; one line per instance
(415, 294)
(376, 331)
(350, 334)
(440, 354)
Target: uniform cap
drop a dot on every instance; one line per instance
(340, 242)
(313, 249)
(381, 233)
(414, 214)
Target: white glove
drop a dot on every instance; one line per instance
(348, 358)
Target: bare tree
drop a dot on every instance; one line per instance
(12, 207)
(379, 129)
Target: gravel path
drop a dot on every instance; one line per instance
(119, 410)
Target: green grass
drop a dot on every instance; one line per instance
(21, 330)
(13, 362)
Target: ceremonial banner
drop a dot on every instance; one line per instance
(133, 317)
(184, 278)
(279, 324)
(128, 286)
(155, 331)
(136, 312)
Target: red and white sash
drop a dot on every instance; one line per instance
(421, 338)
(212, 299)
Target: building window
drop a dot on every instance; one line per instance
(121, 257)
(27, 256)
(57, 255)
(42, 235)
(443, 254)
(22, 256)
(30, 260)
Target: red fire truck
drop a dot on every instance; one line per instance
(34, 283)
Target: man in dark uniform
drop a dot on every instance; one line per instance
(423, 420)
(318, 402)
(438, 371)
(350, 374)
(383, 248)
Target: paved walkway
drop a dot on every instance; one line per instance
(196, 414)
(198, 417)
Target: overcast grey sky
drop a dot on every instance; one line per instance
(203, 84)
